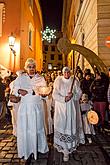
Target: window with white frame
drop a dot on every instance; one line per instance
(31, 35)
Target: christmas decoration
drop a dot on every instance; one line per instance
(48, 34)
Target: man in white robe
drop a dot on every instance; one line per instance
(30, 119)
(68, 132)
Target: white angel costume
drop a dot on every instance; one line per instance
(85, 108)
(30, 119)
(68, 132)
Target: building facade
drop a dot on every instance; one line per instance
(52, 58)
(87, 23)
(23, 18)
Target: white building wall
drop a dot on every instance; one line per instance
(94, 22)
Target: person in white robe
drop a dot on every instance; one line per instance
(86, 106)
(31, 136)
(68, 131)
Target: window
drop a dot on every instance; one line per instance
(31, 34)
(46, 47)
(52, 56)
(49, 66)
(60, 57)
(52, 48)
(31, 6)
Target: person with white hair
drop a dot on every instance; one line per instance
(68, 131)
(30, 121)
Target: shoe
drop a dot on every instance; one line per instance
(66, 157)
(28, 161)
(89, 140)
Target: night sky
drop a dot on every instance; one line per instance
(52, 13)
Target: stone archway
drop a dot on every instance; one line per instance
(65, 46)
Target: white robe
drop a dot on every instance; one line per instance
(68, 132)
(88, 128)
(30, 119)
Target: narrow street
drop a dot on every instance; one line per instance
(97, 153)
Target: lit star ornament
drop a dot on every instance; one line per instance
(48, 34)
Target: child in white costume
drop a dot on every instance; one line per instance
(86, 105)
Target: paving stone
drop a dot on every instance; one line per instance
(15, 156)
(12, 151)
(2, 131)
(6, 148)
(9, 156)
(2, 144)
(5, 160)
(88, 154)
(3, 154)
(16, 160)
(10, 144)
(40, 162)
(1, 148)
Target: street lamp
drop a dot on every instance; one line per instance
(11, 40)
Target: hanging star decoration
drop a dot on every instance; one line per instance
(48, 34)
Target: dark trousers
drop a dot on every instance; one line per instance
(100, 108)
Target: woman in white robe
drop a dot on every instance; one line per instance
(30, 120)
(68, 131)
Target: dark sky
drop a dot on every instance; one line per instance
(52, 13)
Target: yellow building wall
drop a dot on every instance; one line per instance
(18, 16)
(36, 50)
(10, 24)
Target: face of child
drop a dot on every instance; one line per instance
(85, 101)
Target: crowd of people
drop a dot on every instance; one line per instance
(62, 112)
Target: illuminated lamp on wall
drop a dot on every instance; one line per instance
(11, 40)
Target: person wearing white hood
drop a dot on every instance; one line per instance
(68, 131)
(31, 136)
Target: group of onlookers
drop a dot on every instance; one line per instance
(65, 108)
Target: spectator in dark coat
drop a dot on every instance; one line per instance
(99, 97)
(2, 93)
(85, 84)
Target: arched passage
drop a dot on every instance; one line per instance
(65, 46)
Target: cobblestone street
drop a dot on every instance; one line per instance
(97, 153)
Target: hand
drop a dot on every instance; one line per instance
(70, 94)
(67, 98)
(22, 92)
